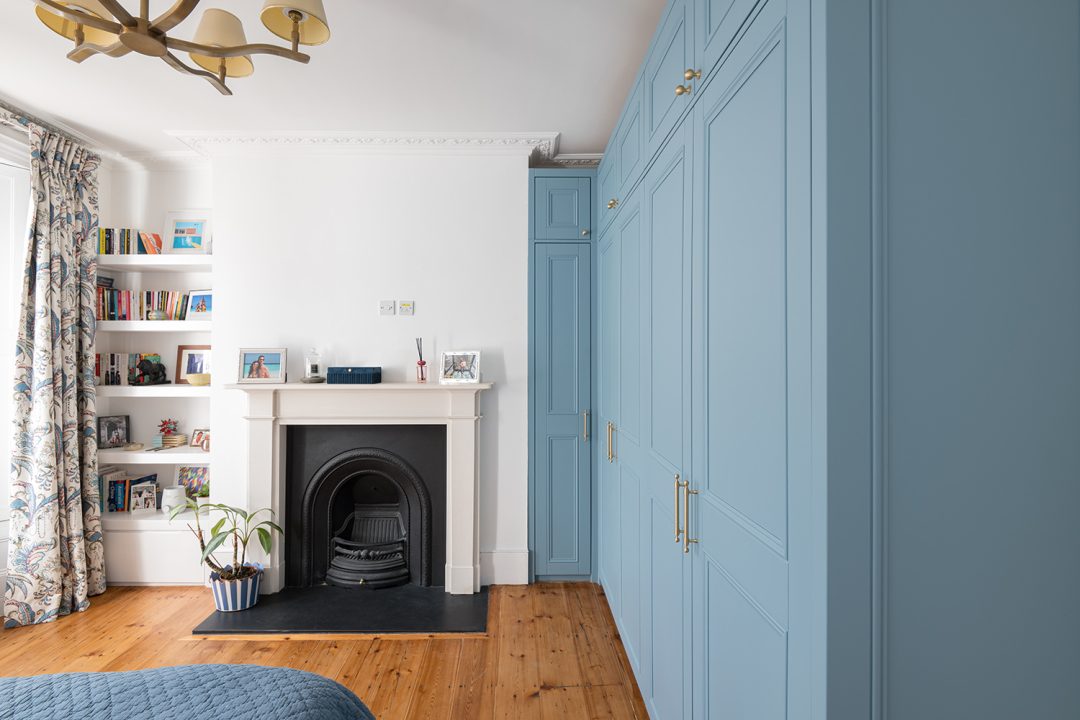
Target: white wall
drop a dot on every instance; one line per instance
(304, 248)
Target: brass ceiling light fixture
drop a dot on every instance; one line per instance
(220, 49)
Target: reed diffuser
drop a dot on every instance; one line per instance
(421, 366)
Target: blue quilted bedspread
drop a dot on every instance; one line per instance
(190, 692)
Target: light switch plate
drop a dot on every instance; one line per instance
(387, 307)
(406, 307)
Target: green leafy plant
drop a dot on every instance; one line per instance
(236, 524)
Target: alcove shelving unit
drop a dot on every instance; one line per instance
(139, 543)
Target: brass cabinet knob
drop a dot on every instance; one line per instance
(691, 74)
(683, 89)
(612, 203)
(585, 232)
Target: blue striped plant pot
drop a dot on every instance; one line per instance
(233, 595)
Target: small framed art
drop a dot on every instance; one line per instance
(187, 232)
(144, 497)
(191, 360)
(200, 438)
(263, 365)
(460, 366)
(195, 479)
(200, 305)
(112, 431)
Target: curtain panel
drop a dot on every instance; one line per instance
(55, 554)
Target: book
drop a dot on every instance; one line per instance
(149, 243)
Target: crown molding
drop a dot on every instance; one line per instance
(574, 160)
(529, 144)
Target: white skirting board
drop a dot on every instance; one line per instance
(504, 567)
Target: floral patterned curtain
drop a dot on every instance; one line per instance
(55, 555)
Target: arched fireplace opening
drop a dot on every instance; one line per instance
(363, 519)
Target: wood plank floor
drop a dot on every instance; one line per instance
(551, 651)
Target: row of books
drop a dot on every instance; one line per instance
(126, 241)
(120, 491)
(121, 368)
(113, 304)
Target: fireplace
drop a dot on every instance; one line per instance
(365, 506)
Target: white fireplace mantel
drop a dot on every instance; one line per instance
(272, 407)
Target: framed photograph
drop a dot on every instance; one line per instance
(112, 431)
(191, 360)
(460, 366)
(262, 365)
(193, 478)
(200, 438)
(200, 305)
(144, 497)
(187, 232)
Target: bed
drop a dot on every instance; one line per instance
(189, 692)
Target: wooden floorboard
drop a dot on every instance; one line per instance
(551, 651)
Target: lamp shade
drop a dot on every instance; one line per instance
(219, 28)
(313, 27)
(62, 26)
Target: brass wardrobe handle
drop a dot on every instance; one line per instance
(683, 89)
(678, 527)
(609, 441)
(687, 541)
(691, 74)
(585, 426)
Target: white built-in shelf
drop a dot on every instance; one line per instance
(173, 456)
(153, 326)
(156, 263)
(144, 521)
(153, 391)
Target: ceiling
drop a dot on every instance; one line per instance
(391, 65)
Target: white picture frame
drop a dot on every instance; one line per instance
(460, 367)
(188, 232)
(274, 363)
(143, 498)
(200, 305)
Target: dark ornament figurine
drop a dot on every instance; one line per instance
(151, 373)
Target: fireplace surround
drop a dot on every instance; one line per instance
(273, 409)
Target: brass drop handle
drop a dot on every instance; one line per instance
(683, 89)
(612, 203)
(691, 74)
(585, 426)
(678, 526)
(610, 441)
(687, 541)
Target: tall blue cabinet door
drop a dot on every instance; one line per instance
(562, 208)
(563, 307)
(609, 526)
(627, 435)
(665, 328)
(751, 457)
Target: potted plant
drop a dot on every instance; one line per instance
(235, 586)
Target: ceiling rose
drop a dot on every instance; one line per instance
(219, 50)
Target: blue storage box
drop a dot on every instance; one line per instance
(354, 375)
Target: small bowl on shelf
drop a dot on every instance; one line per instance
(157, 315)
(198, 379)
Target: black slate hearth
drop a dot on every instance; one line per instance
(329, 609)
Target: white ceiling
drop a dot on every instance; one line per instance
(390, 65)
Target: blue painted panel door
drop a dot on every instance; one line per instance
(562, 208)
(609, 552)
(665, 330)
(751, 461)
(562, 422)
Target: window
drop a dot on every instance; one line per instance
(14, 206)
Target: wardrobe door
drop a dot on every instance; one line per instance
(562, 208)
(563, 351)
(609, 538)
(669, 58)
(627, 434)
(666, 204)
(752, 350)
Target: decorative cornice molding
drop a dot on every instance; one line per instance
(574, 160)
(533, 144)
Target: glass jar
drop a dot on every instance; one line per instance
(313, 366)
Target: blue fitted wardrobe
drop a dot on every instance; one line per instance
(833, 460)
